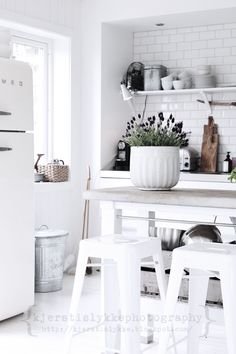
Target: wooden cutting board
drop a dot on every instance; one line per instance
(210, 144)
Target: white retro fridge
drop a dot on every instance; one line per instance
(16, 189)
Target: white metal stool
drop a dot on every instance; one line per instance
(127, 253)
(201, 258)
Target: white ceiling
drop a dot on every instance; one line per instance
(180, 20)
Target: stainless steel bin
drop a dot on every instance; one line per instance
(49, 259)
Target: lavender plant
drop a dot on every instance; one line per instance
(155, 132)
(232, 177)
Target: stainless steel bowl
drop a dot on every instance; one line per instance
(201, 233)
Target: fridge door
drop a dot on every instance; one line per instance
(16, 224)
(16, 97)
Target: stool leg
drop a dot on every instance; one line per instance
(110, 306)
(77, 290)
(170, 305)
(198, 286)
(228, 286)
(160, 274)
(129, 282)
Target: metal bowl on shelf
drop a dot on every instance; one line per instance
(201, 233)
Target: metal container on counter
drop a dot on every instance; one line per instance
(152, 77)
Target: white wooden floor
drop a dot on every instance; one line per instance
(42, 329)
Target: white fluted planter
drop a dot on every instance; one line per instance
(154, 167)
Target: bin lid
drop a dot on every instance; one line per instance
(44, 231)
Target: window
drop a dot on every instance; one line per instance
(36, 53)
(49, 55)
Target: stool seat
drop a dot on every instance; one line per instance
(200, 258)
(113, 246)
(213, 256)
(126, 252)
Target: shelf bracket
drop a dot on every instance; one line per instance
(206, 101)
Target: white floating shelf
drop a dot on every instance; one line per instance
(186, 91)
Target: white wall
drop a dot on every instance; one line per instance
(118, 45)
(58, 205)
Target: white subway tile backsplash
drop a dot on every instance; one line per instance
(140, 49)
(194, 53)
(176, 55)
(231, 59)
(230, 42)
(224, 140)
(199, 61)
(169, 47)
(190, 37)
(223, 33)
(189, 106)
(175, 38)
(223, 69)
(232, 141)
(147, 57)
(215, 61)
(171, 64)
(140, 34)
(198, 116)
(215, 27)
(146, 40)
(162, 39)
(207, 35)
(233, 68)
(154, 48)
(230, 78)
(223, 123)
(230, 25)
(220, 79)
(136, 41)
(171, 31)
(199, 29)
(155, 33)
(195, 140)
(206, 53)
(184, 30)
(228, 132)
(136, 57)
(186, 48)
(222, 52)
(199, 44)
(161, 56)
(215, 43)
(184, 63)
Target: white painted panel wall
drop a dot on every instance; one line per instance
(117, 51)
(59, 206)
(60, 12)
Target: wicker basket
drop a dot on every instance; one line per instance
(54, 172)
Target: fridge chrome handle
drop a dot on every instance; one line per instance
(3, 113)
(5, 148)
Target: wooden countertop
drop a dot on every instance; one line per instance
(177, 196)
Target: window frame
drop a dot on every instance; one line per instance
(47, 44)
